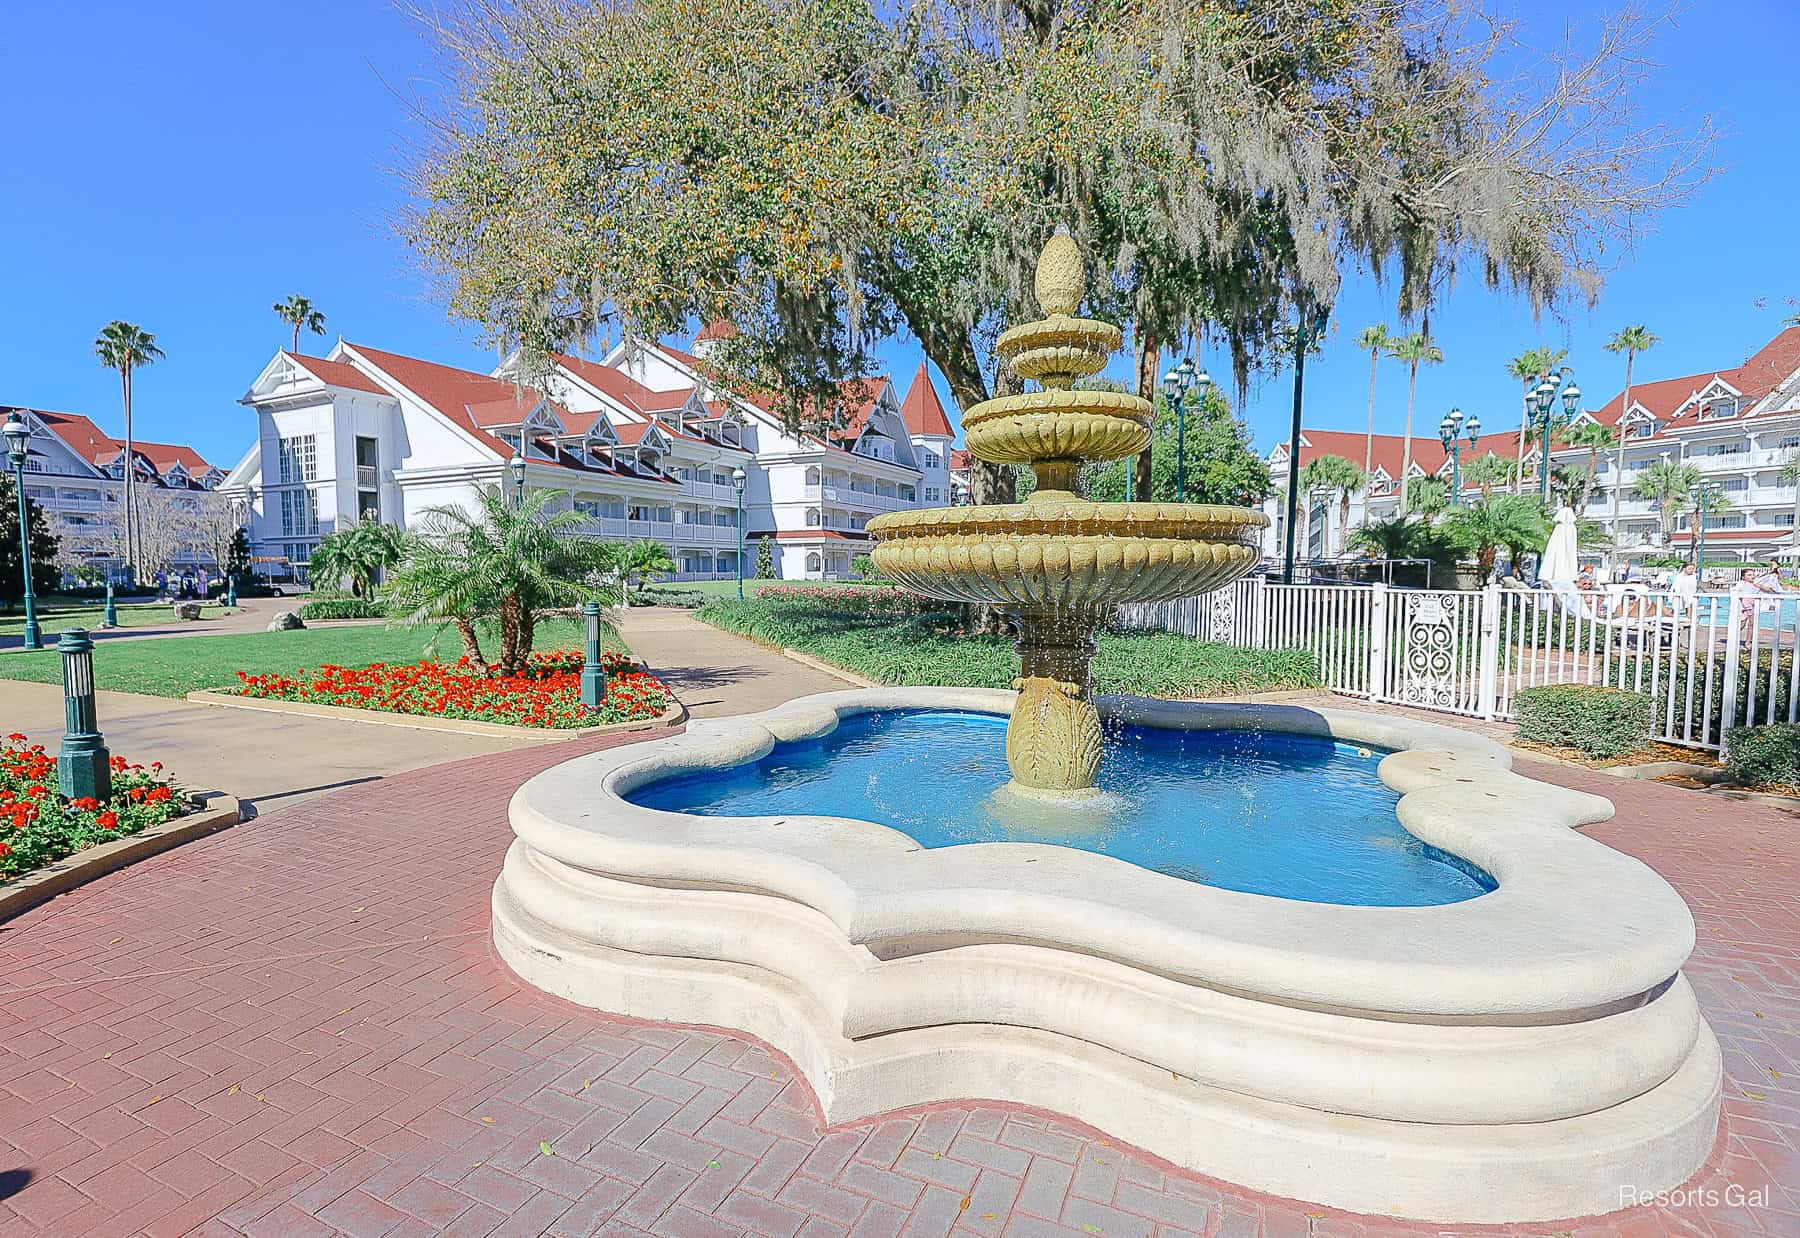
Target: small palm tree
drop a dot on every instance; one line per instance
(1670, 485)
(1596, 438)
(643, 560)
(1489, 470)
(501, 561)
(1430, 498)
(1339, 479)
(1530, 368)
(299, 312)
(1374, 341)
(360, 554)
(1513, 522)
(1415, 350)
(125, 346)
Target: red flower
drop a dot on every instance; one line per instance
(108, 820)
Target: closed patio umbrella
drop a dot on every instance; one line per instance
(1558, 563)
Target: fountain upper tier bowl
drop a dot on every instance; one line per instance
(1056, 552)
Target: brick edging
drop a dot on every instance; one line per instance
(672, 716)
(222, 812)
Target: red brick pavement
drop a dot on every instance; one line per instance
(298, 1027)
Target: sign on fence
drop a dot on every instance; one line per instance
(1711, 662)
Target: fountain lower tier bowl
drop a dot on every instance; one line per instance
(1527, 1053)
(1065, 554)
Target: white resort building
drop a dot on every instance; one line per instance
(1738, 426)
(75, 472)
(645, 445)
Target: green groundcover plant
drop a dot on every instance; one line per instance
(38, 826)
(896, 642)
(1600, 722)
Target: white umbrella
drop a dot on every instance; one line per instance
(1558, 562)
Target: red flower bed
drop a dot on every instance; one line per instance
(547, 693)
(38, 826)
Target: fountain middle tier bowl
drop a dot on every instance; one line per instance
(1064, 554)
(1058, 425)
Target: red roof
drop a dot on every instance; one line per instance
(717, 329)
(922, 410)
(1390, 449)
(453, 393)
(99, 448)
(620, 386)
(336, 373)
(808, 535)
(1754, 379)
(167, 455)
(960, 459)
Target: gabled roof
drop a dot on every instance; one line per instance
(452, 393)
(166, 455)
(1755, 378)
(335, 373)
(620, 386)
(100, 449)
(923, 412)
(717, 329)
(1428, 452)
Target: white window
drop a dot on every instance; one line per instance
(1735, 483)
(299, 459)
(299, 516)
(812, 476)
(1641, 429)
(814, 563)
(1723, 406)
(812, 516)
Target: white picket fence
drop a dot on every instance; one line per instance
(1710, 663)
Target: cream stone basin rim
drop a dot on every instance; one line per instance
(1573, 926)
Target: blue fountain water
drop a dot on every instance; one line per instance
(1266, 812)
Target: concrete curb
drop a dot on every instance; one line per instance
(221, 812)
(829, 668)
(676, 713)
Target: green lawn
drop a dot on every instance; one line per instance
(177, 665)
(55, 618)
(926, 649)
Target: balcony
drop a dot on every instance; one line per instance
(368, 477)
(867, 500)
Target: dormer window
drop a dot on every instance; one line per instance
(1719, 408)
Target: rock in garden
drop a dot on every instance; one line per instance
(187, 610)
(285, 621)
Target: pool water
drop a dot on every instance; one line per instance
(1265, 812)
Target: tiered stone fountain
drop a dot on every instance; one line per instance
(1057, 564)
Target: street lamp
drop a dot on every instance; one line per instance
(738, 477)
(593, 670)
(1448, 431)
(1176, 384)
(516, 467)
(1541, 398)
(1306, 332)
(18, 442)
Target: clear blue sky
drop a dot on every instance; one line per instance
(185, 165)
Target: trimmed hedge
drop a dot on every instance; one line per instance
(882, 641)
(1764, 756)
(341, 608)
(1601, 722)
(652, 595)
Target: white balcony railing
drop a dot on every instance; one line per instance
(367, 477)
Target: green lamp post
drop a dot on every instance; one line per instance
(1176, 384)
(1705, 495)
(738, 478)
(18, 443)
(1450, 431)
(82, 763)
(516, 469)
(1543, 396)
(593, 671)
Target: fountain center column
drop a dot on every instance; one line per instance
(1053, 740)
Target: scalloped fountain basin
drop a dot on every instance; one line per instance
(1263, 812)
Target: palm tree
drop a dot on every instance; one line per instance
(1338, 478)
(1489, 470)
(643, 560)
(298, 312)
(1416, 350)
(1596, 438)
(1790, 473)
(1631, 341)
(1430, 498)
(1374, 341)
(1511, 521)
(125, 346)
(361, 553)
(1530, 367)
(504, 560)
(1670, 485)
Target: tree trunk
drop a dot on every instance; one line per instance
(1619, 479)
(1412, 383)
(527, 635)
(509, 634)
(465, 628)
(130, 477)
(1143, 487)
(1369, 441)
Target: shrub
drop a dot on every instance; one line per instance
(1601, 722)
(1764, 756)
(656, 595)
(341, 608)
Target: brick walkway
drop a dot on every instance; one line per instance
(298, 1027)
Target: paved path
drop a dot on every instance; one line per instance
(253, 616)
(298, 1027)
(713, 672)
(265, 759)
